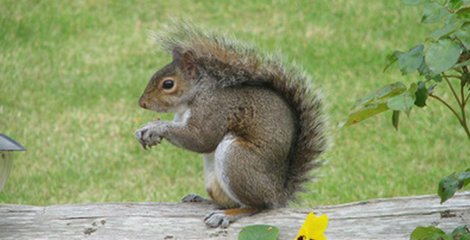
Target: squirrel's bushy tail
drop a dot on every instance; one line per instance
(232, 63)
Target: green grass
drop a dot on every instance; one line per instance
(71, 73)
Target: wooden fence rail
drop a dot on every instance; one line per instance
(390, 219)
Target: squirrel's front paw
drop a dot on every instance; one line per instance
(150, 134)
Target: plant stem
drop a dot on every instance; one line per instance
(462, 122)
(462, 107)
(462, 94)
(464, 119)
(453, 76)
(452, 88)
(447, 105)
(465, 127)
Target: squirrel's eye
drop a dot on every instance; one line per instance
(168, 84)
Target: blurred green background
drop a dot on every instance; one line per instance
(71, 73)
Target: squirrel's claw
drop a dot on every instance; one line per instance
(218, 218)
(147, 137)
(138, 135)
(223, 218)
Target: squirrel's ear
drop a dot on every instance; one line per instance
(188, 65)
(187, 62)
(177, 54)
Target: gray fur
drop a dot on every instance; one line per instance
(246, 66)
(259, 123)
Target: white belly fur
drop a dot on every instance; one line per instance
(214, 167)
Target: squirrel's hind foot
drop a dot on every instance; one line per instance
(223, 218)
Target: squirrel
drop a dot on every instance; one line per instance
(259, 124)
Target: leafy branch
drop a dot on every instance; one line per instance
(443, 57)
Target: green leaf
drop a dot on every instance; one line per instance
(373, 103)
(465, 177)
(447, 30)
(428, 233)
(461, 230)
(442, 55)
(461, 233)
(437, 78)
(404, 101)
(456, 4)
(433, 12)
(412, 89)
(424, 69)
(392, 58)
(448, 186)
(463, 34)
(458, 65)
(410, 61)
(464, 13)
(395, 119)
(414, 2)
(452, 19)
(386, 91)
(364, 113)
(466, 237)
(421, 94)
(261, 232)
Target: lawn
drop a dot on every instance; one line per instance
(71, 73)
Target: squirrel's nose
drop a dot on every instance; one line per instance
(143, 103)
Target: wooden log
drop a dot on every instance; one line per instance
(391, 219)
